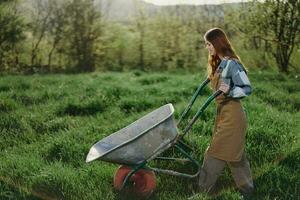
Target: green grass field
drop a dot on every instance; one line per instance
(49, 122)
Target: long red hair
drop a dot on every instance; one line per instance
(219, 40)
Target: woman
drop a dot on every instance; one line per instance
(227, 74)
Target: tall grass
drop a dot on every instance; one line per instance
(48, 123)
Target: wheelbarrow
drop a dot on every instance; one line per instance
(144, 140)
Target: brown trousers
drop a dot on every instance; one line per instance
(213, 167)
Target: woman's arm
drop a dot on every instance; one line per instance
(238, 80)
(241, 86)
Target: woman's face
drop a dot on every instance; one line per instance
(211, 49)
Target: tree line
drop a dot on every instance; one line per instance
(76, 35)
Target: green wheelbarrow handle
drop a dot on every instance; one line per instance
(192, 101)
(200, 111)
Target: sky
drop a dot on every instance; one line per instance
(193, 2)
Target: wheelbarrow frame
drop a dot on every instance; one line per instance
(178, 142)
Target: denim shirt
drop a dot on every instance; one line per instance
(234, 75)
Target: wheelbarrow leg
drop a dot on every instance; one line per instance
(184, 145)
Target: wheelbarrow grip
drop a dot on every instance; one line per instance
(200, 111)
(192, 101)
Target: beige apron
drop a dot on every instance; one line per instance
(228, 139)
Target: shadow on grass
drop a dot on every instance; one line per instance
(9, 192)
(281, 181)
(81, 109)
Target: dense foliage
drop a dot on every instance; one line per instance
(78, 36)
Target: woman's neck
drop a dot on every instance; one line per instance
(223, 57)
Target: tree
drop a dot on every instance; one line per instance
(83, 33)
(11, 34)
(141, 29)
(56, 26)
(39, 25)
(277, 23)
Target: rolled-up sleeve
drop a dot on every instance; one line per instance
(241, 86)
(235, 76)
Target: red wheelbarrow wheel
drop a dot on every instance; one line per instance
(142, 183)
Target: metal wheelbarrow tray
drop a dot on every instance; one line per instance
(140, 141)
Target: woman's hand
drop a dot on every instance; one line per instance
(224, 88)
